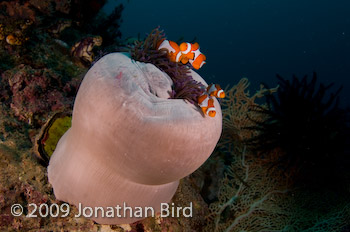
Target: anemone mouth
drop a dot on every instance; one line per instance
(184, 86)
(304, 120)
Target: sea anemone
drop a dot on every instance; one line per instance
(184, 86)
(306, 123)
(129, 142)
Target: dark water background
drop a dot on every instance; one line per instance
(254, 38)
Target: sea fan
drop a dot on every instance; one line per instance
(305, 121)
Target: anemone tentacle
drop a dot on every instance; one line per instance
(184, 86)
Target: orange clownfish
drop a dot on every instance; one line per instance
(215, 90)
(184, 53)
(191, 53)
(187, 51)
(198, 60)
(207, 105)
(172, 48)
(206, 101)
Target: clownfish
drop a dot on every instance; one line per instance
(215, 90)
(187, 50)
(184, 53)
(207, 105)
(191, 53)
(172, 48)
(199, 59)
(206, 101)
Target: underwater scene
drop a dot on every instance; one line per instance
(130, 115)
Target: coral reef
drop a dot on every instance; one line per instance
(248, 191)
(247, 197)
(37, 77)
(253, 196)
(23, 182)
(250, 195)
(237, 189)
(36, 63)
(184, 86)
(238, 115)
(25, 23)
(33, 92)
(17, 21)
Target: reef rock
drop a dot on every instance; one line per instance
(129, 143)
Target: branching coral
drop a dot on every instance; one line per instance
(305, 121)
(248, 197)
(253, 196)
(237, 112)
(236, 116)
(184, 86)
